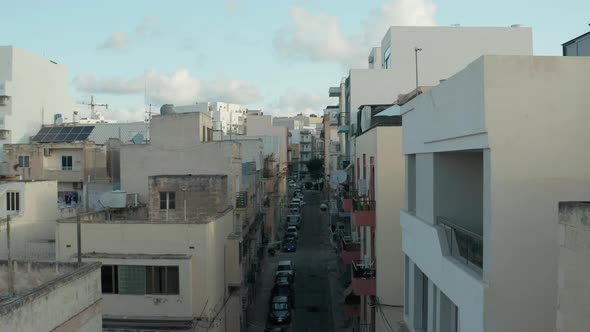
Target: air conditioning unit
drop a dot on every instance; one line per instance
(4, 133)
(46, 152)
(4, 100)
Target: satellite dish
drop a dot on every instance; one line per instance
(137, 139)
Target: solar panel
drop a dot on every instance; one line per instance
(63, 134)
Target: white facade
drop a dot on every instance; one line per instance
(479, 230)
(33, 210)
(229, 118)
(32, 90)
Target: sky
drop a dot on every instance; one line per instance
(281, 56)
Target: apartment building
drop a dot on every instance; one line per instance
(376, 197)
(29, 100)
(479, 230)
(50, 297)
(31, 209)
(226, 117)
(573, 273)
(170, 263)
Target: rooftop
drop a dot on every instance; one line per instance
(35, 279)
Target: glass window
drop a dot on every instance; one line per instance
(162, 280)
(24, 161)
(131, 279)
(167, 200)
(66, 163)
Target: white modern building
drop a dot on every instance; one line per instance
(490, 153)
(32, 90)
(227, 117)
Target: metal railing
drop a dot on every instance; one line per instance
(360, 270)
(465, 245)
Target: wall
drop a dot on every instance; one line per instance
(178, 129)
(72, 302)
(527, 183)
(38, 90)
(211, 158)
(446, 51)
(573, 313)
(33, 229)
(262, 126)
(205, 195)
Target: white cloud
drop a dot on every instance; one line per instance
(320, 37)
(179, 87)
(295, 102)
(117, 42)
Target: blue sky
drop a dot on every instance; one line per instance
(278, 55)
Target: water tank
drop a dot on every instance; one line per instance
(76, 117)
(116, 199)
(58, 119)
(167, 109)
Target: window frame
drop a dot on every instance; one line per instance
(65, 166)
(169, 200)
(21, 162)
(164, 275)
(13, 201)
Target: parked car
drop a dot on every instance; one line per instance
(280, 310)
(289, 237)
(290, 246)
(294, 220)
(284, 290)
(297, 201)
(283, 279)
(292, 230)
(287, 268)
(294, 210)
(292, 184)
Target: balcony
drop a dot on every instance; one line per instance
(62, 175)
(363, 212)
(351, 251)
(347, 204)
(241, 199)
(363, 279)
(464, 245)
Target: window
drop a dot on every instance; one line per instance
(387, 57)
(66, 163)
(108, 277)
(12, 201)
(131, 279)
(167, 200)
(161, 280)
(23, 161)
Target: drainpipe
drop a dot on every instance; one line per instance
(10, 272)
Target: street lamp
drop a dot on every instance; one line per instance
(416, 50)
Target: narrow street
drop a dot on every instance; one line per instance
(314, 260)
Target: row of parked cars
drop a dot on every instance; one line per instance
(293, 222)
(282, 297)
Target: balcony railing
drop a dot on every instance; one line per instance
(363, 212)
(241, 199)
(465, 245)
(363, 278)
(351, 251)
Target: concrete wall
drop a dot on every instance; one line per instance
(573, 313)
(38, 89)
(71, 302)
(179, 129)
(368, 86)
(32, 230)
(262, 126)
(204, 195)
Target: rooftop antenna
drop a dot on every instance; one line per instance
(94, 113)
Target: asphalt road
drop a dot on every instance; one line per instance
(313, 296)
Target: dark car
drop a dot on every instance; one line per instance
(280, 310)
(283, 279)
(290, 237)
(290, 246)
(274, 329)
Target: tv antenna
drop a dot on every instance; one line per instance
(95, 114)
